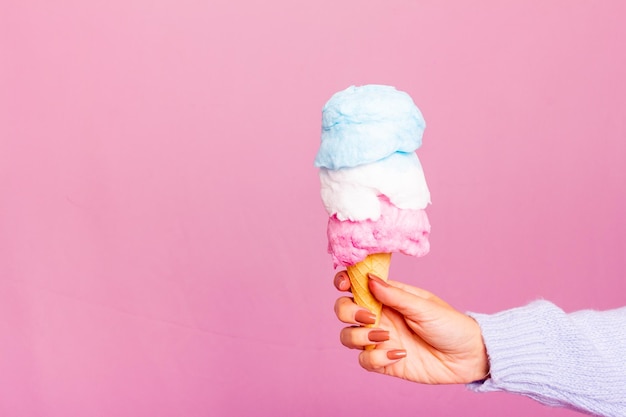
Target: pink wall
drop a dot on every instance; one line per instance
(162, 240)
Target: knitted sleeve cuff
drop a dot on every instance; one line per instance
(541, 352)
(516, 345)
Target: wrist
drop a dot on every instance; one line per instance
(482, 369)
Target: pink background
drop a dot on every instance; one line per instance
(162, 239)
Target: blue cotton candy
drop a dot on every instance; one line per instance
(365, 124)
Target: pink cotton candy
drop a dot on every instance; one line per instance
(397, 230)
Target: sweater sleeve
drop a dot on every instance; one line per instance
(575, 360)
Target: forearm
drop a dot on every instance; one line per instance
(573, 360)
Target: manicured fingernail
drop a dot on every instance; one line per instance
(377, 280)
(341, 280)
(396, 354)
(378, 335)
(365, 317)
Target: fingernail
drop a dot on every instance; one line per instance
(396, 354)
(341, 280)
(378, 335)
(365, 317)
(377, 280)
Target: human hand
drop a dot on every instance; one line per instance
(420, 337)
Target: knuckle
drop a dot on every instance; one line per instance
(342, 309)
(365, 360)
(343, 337)
(337, 306)
(341, 281)
(348, 336)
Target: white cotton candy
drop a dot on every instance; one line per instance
(352, 193)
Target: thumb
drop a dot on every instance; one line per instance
(406, 303)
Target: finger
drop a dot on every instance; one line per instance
(359, 337)
(342, 281)
(410, 289)
(418, 292)
(406, 303)
(377, 359)
(348, 312)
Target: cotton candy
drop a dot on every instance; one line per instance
(372, 182)
(365, 124)
(352, 193)
(396, 230)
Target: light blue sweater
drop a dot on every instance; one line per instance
(575, 360)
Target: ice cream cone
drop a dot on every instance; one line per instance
(377, 264)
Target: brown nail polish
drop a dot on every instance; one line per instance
(365, 317)
(377, 280)
(378, 335)
(396, 354)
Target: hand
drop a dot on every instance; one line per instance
(420, 337)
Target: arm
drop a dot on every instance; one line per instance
(573, 360)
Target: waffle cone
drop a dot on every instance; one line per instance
(377, 264)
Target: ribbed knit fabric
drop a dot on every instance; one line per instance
(575, 360)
